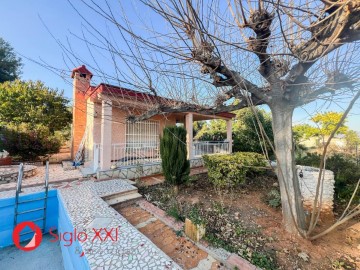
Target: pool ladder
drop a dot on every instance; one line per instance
(18, 202)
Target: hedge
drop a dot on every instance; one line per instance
(227, 170)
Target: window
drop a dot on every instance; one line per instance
(142, 134)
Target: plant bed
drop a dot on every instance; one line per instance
(241, 221)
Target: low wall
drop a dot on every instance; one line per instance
(137, 171)
(10, 173)
(308, 185)
(7, 213)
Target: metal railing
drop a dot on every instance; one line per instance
(125, 154)
(207, 147)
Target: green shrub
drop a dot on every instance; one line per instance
(195, 217)
(176, 167)
(265, 261)
(28, 142)
(175, 212)
(273, 198)
(311, 159)
(231, 169)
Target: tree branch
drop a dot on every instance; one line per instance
(340, 26)
(184, 107)
(336, 80)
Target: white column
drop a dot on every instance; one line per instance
(189, 134)
(229, 134)
(106, 130)
(89, 148)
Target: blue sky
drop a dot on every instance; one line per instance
(22, 27)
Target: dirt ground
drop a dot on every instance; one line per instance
(242, 222)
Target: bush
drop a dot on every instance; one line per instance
(231, 169)
(273, 198)
(176, 167)
(195, 216)
(27, 142)
(175, 212)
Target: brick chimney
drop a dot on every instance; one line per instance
(81, 83)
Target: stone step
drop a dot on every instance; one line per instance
(119, 194)
(67, 165)
(124, 199)
(87, 172)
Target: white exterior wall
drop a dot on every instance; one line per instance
(308, 185)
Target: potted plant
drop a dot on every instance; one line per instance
(194, 225)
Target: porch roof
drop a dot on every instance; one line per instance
(94, 92)
(180, 117)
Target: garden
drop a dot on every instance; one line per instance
(238, 202)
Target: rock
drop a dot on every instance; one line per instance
(304, 256)
(276, 184)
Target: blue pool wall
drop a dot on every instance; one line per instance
(57, 219)
(7, 213)
(71, 254)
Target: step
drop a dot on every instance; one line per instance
(119, 194)
(132, 197)
(38, 219)
(87, 172)
(23, 233)
(67, 165)
(30, 211)
(33, 200)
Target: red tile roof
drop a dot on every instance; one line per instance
(127, 93)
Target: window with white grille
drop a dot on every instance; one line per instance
(142, 134)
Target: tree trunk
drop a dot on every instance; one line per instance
(291, 199)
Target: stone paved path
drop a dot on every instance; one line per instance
(180, 249)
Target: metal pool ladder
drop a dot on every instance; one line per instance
(18, 202)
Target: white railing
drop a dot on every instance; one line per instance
(206, 147)
(125, 154)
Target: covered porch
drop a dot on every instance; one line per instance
(142, 139)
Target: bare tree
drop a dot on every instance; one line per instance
(281, 53)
